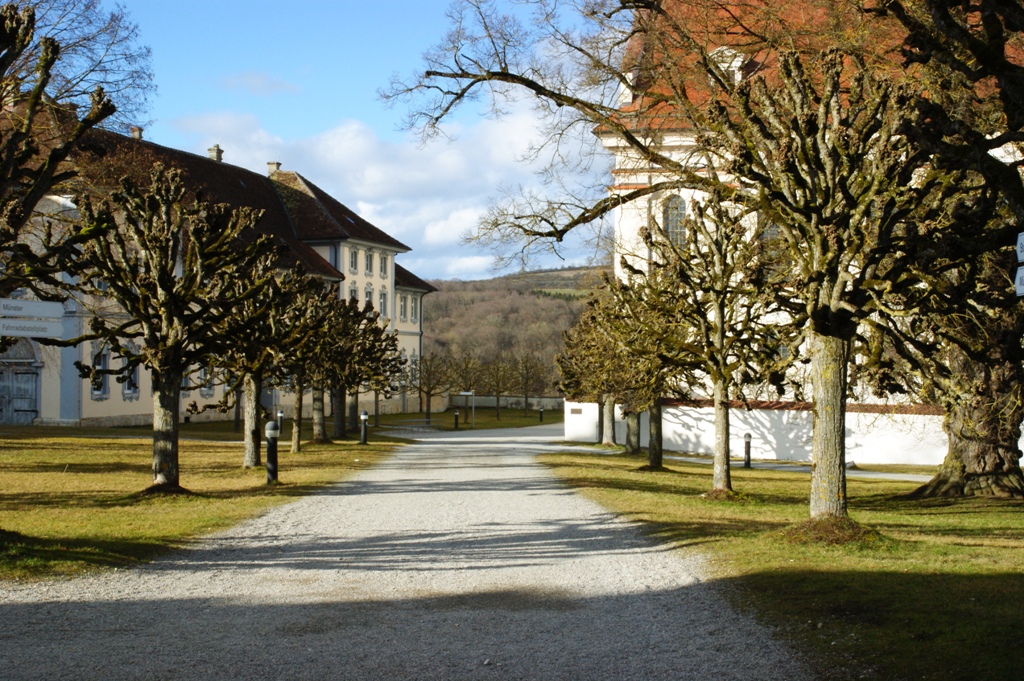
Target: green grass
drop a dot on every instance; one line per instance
(935, 592)
(70, 504)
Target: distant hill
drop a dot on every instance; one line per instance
(524, 311)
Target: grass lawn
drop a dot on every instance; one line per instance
(936, 593)
(70, 501)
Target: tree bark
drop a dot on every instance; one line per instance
(654, 439)
(338, 412)
(983, 427)
(297, 416)
(632, 433)
(722, 478)
(608, 422)
(319, 424)
(829, 355)
(252, 386)
(238, 410)
(166, 408)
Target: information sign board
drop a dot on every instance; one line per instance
(31, 328)
(10, 307)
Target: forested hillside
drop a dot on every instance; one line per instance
(507, 316)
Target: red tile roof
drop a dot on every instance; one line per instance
(406, 279)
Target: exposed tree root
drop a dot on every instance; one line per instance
(647, 468)
(1002, 485)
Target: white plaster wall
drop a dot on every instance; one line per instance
(581, 426)
(783, 435)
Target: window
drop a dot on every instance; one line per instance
(672, 220)
(403, 307)
(333, 249)
(384, 302)
(369, 262)
(353, 291)
(100, 389)
(353, 260)
(130, 387)
(369, 294)
(414, 311)
(384, 265)
(205, 383)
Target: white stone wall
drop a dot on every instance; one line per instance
(780, 434)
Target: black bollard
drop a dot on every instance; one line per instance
(746, 450)
(272, 432)
(363, 420)
(541, 410)
(456, 419)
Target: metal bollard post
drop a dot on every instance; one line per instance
(541, 410)
(363, 419)
(746, 450)
(456, 419)
(280, 420)
(272, 432)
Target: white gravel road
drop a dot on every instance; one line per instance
(459, 558)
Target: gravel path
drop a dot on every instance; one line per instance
(459, 558)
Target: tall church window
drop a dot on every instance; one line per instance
(672, 215)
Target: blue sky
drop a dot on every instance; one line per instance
(297, 83)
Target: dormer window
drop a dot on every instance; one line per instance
(730, 62)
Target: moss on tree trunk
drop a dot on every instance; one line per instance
(829, 355)
(722, 478)
(983, 427)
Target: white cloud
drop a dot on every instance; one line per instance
(425, 196)
(258, 83)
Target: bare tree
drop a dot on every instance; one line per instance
(99, 48)
(165, 280)
(816, 144)
(431, 377)
(36, 138)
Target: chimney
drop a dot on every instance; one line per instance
(136, 132)
(216, 153)
(273, 167)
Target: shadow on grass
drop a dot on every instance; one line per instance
(896, 625)
(27, 556)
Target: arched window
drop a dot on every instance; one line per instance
(672, 213)
(369, 294)
(353, 291)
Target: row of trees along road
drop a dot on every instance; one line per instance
(874, 142)
(178, 286)
(504, 374)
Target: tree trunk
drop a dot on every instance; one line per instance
(338, 412)
(983, 427)
(429, 400)
(319, 423)
(722, 479)
(608, 422)
(829, 355)
(497, 406)
(632, 433)
(297, 415)
(166, 408)
(654, 440)
(600, 419)
(376, 409)
(252, 385)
